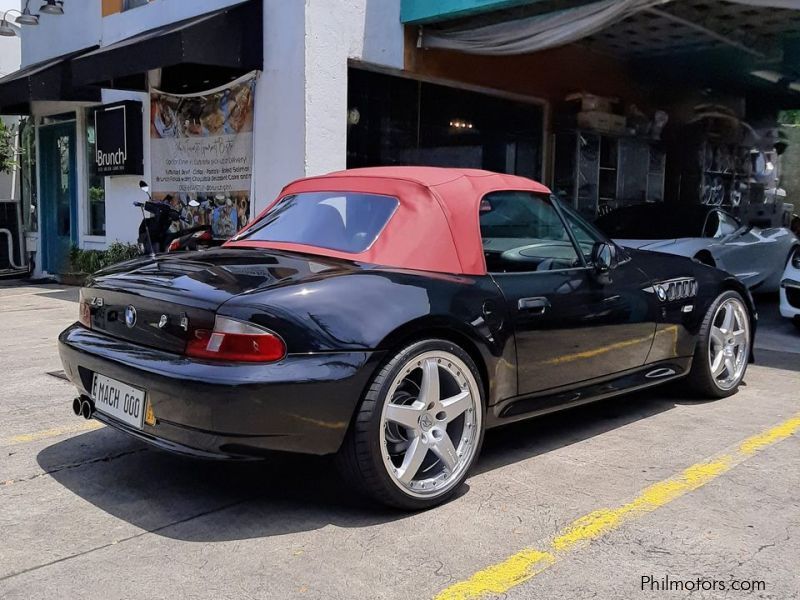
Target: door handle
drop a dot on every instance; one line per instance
(536, 305)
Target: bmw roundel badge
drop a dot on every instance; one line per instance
(130, 316)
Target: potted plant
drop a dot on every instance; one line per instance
(82, 263)
(8, 151)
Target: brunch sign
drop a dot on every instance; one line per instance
(201, 148)
(118, 139)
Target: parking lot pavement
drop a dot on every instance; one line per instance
(647, 485)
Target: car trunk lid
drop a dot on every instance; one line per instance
(160, 302)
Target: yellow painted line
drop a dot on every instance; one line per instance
(500, 578)
(81, 427)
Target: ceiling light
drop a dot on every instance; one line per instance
(52, 7)
(6, 29)
(795, 87)
(26, 18)
(459, 124)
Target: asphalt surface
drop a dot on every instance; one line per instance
(582, 504)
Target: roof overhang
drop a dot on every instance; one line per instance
(230, 38)
(47, 80)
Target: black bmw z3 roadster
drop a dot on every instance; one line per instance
(390, 316)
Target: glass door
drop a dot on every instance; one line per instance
(58, 197)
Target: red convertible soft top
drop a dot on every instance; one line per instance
(435, 227)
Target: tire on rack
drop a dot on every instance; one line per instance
(723, 347)
(418, 428)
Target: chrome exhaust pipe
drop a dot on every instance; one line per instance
(87, 409)
(76, 406)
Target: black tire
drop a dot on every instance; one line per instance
(360, 460)
(700, 379)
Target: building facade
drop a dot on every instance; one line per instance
(647, 105)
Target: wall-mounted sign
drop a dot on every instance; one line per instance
(201, 148)
(118, 139)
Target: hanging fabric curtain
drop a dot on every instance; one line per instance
(539, 32)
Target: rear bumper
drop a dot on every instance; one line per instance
(303, 403)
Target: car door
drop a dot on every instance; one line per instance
(569, 326)
(751, 254)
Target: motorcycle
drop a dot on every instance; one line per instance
(194, 238)
(155, 233)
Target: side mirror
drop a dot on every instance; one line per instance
(604, 257)
(143, 186)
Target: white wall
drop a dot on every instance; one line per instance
(9, 46)
(301, 100)
(279, 105)
(157, 13)
(79, 27)
(82, 24)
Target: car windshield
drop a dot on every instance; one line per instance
(653, 222)
(585, 234)
(344, 221)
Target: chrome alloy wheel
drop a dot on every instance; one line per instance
(729, 343)
(430, 424)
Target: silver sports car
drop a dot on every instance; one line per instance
(710, 235)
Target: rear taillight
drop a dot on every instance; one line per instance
(174, 245)
(236, 341)
(85, 314)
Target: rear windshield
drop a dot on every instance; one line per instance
(344, 221)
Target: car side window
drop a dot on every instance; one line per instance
(586, 235)
(522, 231)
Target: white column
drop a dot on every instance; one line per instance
(327, 47)
(279, 106)
(301, 99)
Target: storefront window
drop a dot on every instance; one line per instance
(398, 121)
(27, 143)
(96, 184)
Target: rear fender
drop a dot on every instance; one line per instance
(493, 353)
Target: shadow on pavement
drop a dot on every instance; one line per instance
(540, 435)
(788, 361)
(194, 500)
(67, 295)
